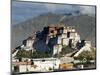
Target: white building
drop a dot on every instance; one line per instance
(64, 35)
(57, 49)
(73, 30)
(39, 65)
(65, 30)
(65, 41)
(88, 43)
(72, 35)
(59, 40)
(29, 44)
(77, 37)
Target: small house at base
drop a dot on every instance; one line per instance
(37, 65)
(65, 66)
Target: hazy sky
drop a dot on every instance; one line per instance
(22, 11)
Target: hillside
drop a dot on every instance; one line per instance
(84, 24)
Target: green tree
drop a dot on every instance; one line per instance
(86, 56)
(65, 50)
(41, 54)
(24, 53)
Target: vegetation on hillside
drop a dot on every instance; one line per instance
(30, 54)
(86, 55)
(66, 50)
